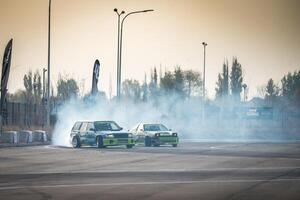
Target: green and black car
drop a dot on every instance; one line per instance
(100, 133)
(154, 135)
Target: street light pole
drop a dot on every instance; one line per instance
(48, 88)
(44, 87)
(120, 47)
(245, 95)
(203, 100)
(118, 54)
(204, 46)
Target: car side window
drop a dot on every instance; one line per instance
(83, 127)
(136, 128)
(140, 127)
(90, 126)
(76, 127)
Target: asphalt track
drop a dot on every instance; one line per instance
(194, 170)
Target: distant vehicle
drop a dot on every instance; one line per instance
(252, 112)
(259, 113)
(100, 133)
(154, 135)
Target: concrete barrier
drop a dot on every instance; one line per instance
(24, 136)
(9, 137)
(39, 136)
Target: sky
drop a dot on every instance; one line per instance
(264, 35)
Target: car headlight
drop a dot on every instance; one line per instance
(130, 135)
(109, 136)
(157, 134)
(174, 134)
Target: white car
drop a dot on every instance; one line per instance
(152, 134)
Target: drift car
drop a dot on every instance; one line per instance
(101, 134)
(154, 135)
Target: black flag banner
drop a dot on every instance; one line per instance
(95, 77)
(5, 72)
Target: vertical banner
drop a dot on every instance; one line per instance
(5, 72)
(95, 77)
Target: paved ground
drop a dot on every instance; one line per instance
(190, 171)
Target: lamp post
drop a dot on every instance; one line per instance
(245, 94)
(118, 54)
(44, 86)
(204, 46)
(120, 38)
(203, 107)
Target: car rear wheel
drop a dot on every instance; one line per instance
(129, 146)
(99, 142)
(148, 141)
(76, 142)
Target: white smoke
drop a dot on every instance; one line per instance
(126, 114)
(184, 117)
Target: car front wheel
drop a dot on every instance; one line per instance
(99, 142)
(76, 142)
(148, 141)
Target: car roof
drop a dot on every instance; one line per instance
(149, 123)
(93, 121)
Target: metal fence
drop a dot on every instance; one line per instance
(24, 114)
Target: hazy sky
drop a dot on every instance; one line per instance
(263, 34)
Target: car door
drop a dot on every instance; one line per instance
(140, 133)
(90, 133)
(83, 133)
(76, 129)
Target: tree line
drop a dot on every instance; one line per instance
(230, 85)
(35, 93)
(176, 83)
(287, 93)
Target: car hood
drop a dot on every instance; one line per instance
(163, 133)
(112, 132)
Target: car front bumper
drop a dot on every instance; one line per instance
(165, 140)
(118, 141)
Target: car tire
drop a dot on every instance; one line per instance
(99, 142)
(174, 145)
(148, 141)
(76, 142)
(129, 146)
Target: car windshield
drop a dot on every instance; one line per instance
(106, 126)
(154, 127)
